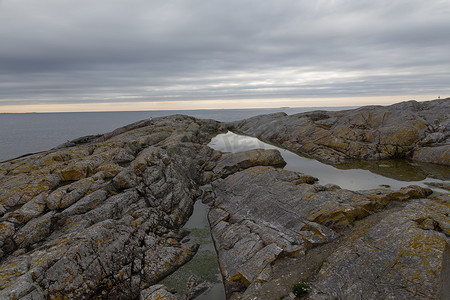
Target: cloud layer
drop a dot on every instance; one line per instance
(75, 51)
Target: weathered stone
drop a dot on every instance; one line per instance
(31, 209)
(438, 155)
(394, 259)
(265, 207)
(444, 278)
(259, 262)
(418, 130)
(101, 216)
(162, 261)
(34, 231)
(157, 292)
(234, 162)
(196, 286)
(101, 219)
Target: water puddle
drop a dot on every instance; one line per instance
(204, 264)
(355, 175)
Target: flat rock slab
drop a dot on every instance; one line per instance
(231, 163)
(264, 216)
(396, 258)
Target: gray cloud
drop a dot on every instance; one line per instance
(56, 51)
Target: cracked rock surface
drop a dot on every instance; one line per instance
(274, 228)
(417, 130)
(100, 217)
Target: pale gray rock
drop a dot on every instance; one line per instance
(196, 286)
(157, 292)
(2, 210)
(102, 216)
(234, 162)
(267, 224)
(394, 259)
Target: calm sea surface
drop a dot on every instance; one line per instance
(33, 132)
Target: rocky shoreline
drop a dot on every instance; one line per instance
(101, 217)
(416, 130)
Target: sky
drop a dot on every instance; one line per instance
(79, 55)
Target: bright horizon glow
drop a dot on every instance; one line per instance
(214, 104)
(79, 56)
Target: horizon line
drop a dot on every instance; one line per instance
(216, 104)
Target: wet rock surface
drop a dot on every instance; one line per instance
(417, 130)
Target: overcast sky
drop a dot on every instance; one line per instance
(55, 52)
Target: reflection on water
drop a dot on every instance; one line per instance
(204, 264)
(355, 175)
(400, 169)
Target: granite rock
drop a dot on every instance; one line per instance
(231, 163)
(157, 292)
(100, 217)
(417, 130)
(266, 221)
(196, 286)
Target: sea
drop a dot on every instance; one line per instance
(33, 132)
(23, 133)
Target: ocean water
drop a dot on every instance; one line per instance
(28, 133)
(33, 132)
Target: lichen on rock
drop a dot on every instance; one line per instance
(377, 243)
(101, 217)
(417, 130)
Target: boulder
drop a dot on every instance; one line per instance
(231, 163)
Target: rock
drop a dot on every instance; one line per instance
(100, 217)
(438, 155)
(442, 185)
(163, 260)
(397, 256)
(265, 219)
(2, 210)
(157, 292)
(234, 162)
(444, 278)
(196, 286)
(417, 130)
